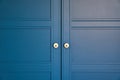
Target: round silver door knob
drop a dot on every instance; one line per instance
(55, 45)
(66, 45)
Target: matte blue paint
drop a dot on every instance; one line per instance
(27, 33)
(56, 37)
(94, 39)
(65, 39)
(29, 28)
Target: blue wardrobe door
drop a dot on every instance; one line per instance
(93, 32)
(26, 37)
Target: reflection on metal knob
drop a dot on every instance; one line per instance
(66, 45)
(55, 45)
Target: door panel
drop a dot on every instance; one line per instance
(26, 38)
(95, 9)
(95, 47)
(94, 34)
(25, 9)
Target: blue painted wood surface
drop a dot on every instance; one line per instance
(27, 32)
(93, 30)
(28, 29)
